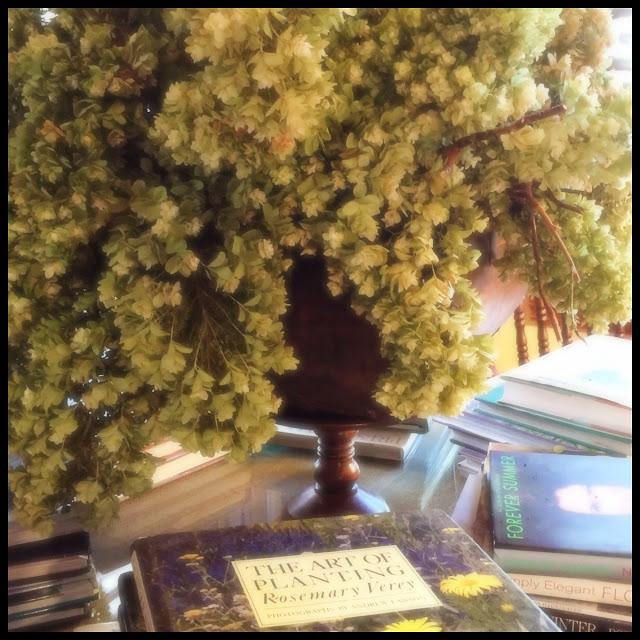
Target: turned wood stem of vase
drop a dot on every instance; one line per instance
(336, 472)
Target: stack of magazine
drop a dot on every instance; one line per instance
(576, 398)
(51, 578)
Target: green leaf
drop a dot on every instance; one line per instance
(87, 491)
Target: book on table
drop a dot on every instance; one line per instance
(561, 515)
(587, 382)
(477, 431)
(174, 462)
(571, 602)
(490, 404)
(51, 578)
(129, 611)
(593, 590)
(383, 443)
(583, 616)
(415, 571)
(55, 595)
(49, 619)
(57, 556)
(62, 524)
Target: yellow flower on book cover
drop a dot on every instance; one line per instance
(420, 624)
(192, 613)
(472, 584)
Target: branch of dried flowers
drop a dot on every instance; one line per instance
(553, 229)
(451, 151)
(536, 254)
(563, 205)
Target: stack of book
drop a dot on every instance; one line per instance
(394, 442)
(561, 528)
(51, 579)
(576, 398)
(383, 443)
(174, 462)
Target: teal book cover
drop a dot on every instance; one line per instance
(561, 514)
(416, 571)
(489, 404)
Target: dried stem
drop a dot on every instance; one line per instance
(563, 205)
(536, 254)
(553, 229)
(451, 151)
(577, 192)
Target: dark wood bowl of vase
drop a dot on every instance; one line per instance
(332, 390)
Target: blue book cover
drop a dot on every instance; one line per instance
(561, 514)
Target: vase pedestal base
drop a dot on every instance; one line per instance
(335, 492)
(312, 504)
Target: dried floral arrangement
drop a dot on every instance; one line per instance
(167, 166)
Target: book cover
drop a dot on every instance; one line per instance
(48, 619)
(584, 623)
(594, 610)
(129, 611)
(59, 596)
(586, 381)
(58, 555)
(415, 571)
(385, 444)
(581, 616)
(477, 431)
(63, 523)
(490, 404)
(596, 591)
(564, 514)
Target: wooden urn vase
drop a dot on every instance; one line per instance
(331, 392)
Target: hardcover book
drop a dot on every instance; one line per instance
(588, 381)
(596, 591)
(583, 616)
(477, 431)
(174, 462)
(59, 555)
(561, 515)
(415, 571)
(48, 619)
(490, 404)
(386, 444)
(129, 612)
(64, 595)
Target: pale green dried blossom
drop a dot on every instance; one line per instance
(168, 165)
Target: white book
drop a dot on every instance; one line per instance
(387, 444)
(586, 381)
(569, 588)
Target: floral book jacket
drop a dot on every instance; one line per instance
(414, 571)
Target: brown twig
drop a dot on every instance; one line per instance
(563, 205)
(553, 229)
(450, 151)
(576, 192)
(536, 254)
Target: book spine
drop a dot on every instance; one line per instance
(602, 611)
(596, 591)
(585, 623)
